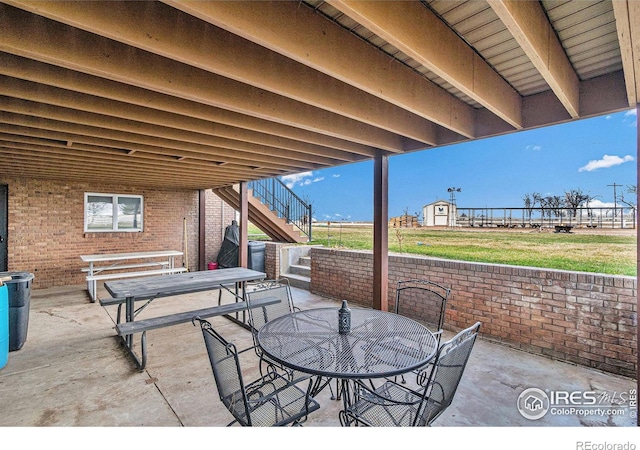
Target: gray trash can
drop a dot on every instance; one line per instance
(19, 291)
(256, 256)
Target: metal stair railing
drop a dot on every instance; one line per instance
(284, 202)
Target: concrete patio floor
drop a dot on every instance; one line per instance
(73, 372)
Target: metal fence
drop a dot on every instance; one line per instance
(618, 217)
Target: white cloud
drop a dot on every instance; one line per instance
(600, 204)
(336, 175)
(631, 118)
(300, 179)
(606, 162)
(536, 148)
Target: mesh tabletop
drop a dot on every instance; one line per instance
(379, 344)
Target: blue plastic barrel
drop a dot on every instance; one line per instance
(4, 325)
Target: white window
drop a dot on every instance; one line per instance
(112, 212)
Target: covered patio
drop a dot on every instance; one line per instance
(73, 372)
(184, 97)
(241, 91)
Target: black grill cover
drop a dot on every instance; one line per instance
(228, 255)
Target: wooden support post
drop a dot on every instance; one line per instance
(380, 231)
(243, 249)
(202, 230)
(638, 262)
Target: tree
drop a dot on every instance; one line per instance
(530, 201)
(308, 217)
(573, 199)
(631, 189)
(553, 204)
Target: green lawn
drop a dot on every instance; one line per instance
(610, 252)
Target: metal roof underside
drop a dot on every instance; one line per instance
(204, 94)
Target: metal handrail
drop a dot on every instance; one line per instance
(284, 202)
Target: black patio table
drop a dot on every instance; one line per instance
(380, 344)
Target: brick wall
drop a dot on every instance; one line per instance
(272, 259)
(219, 215)
(587, 319)
(46, 227)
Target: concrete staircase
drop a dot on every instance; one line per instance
(295, 265)
(299, 275)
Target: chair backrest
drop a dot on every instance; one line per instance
(269, 289)
(450, 363)
(225, 364)
(422, 300)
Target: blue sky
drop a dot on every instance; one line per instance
(498, 172)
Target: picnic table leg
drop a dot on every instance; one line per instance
(91, 285)
(130, 317)
(141, 361)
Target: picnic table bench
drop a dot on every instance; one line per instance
(128, 329)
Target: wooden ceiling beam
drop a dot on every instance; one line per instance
(113, 171)
(99, 88)
(106, 125)
(296, 32)
(418, 33)
(530, 27)
(68, 47)
(132, 141)
(143, 25)
(85, 151)
(85, 103)
(627, 14)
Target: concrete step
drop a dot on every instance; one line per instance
(297, 269)
(298, 281)
(305, 261)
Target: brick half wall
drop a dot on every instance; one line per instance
(582, 318)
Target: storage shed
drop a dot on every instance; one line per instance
(439, 214)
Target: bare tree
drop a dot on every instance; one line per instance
(530, 201)
(573, 199)
(307, 200)
(631, 189)
(551, 205)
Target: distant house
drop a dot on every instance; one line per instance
(439, 214)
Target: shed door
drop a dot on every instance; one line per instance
(4, 212)
(441, 216)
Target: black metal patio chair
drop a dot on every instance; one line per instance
(271, 400)
(394, 404)
(424, 301)
(258, 317)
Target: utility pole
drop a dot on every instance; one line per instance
(615, 202)
(452, 200)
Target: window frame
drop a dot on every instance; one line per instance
(115, 210)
